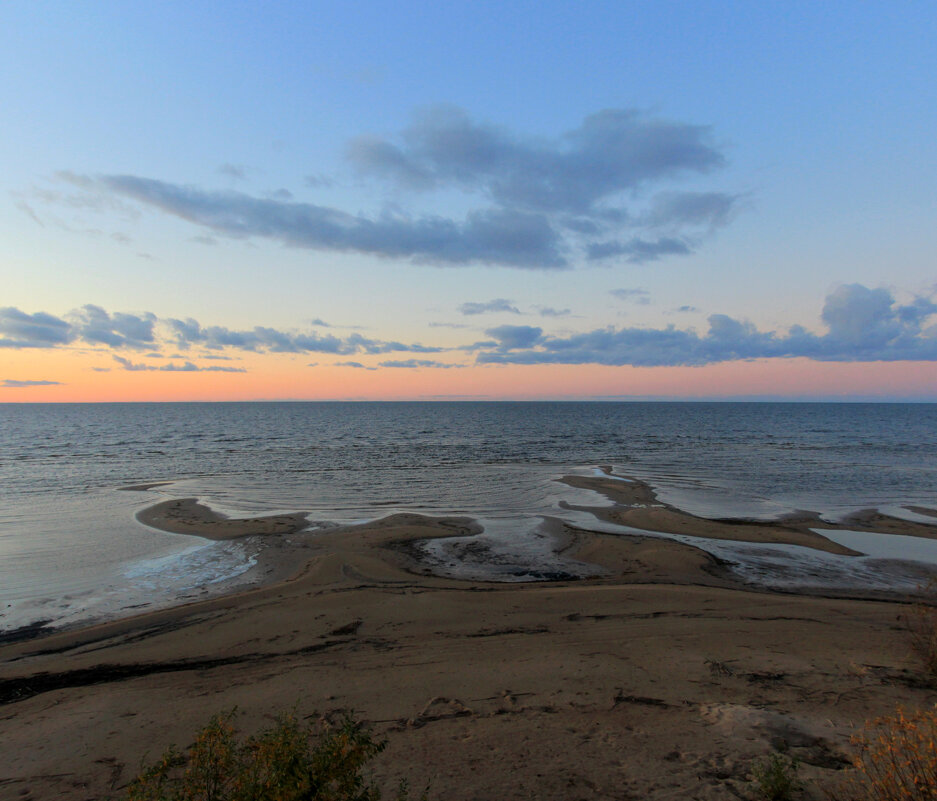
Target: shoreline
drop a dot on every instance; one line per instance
(663, 677)
(639, 553)
(547, 689)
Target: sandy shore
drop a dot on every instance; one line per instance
(663, 680)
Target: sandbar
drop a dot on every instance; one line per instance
(188, 516)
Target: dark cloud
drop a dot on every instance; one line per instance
(864, 325)
(637, 250)
(496, 305)
(92, 325)
(510, 337)
(686, 309)
(641, 296)
(493, 236)
(12, 383)
(357, 365)
(96, 327)
(410, 363)
(538, 203)
(185, 333)
(611, 152)
(39, 330)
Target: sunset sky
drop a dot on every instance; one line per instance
(285, 200)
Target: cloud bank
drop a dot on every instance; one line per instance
(864, 325)
(12, 383)
(92, 325)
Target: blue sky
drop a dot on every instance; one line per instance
(573, 168)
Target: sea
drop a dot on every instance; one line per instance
(72, 552)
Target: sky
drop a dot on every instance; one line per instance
(430, 201)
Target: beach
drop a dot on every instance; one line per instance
(664, 675)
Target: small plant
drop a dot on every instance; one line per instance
(286, 762)
(896, 759)
(776, 778)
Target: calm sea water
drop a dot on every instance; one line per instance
(70, 549)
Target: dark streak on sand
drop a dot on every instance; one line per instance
(21, 688)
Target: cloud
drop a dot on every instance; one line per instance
(611, 152)
(601, 191)
(39, 330)
(12, 383)
(357, 365)
(549, 311)
(92, 325)
(864, 325)
(171, 367)
(496, 305)
(686, 309)
(24, 207)
(641, 296)
(447, 325)
(236, 171)
(96, 327)
(703, 209)
(637, 250)
(411, 363)
(493, 236)
(510, 337)
(185, 333)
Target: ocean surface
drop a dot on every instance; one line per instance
(71, 550)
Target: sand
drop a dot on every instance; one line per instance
(663, 680)
(188, 516)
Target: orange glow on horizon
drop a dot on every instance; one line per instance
(288, 377)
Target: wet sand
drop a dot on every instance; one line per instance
(188, 516)
(637, 505)
(663, 679)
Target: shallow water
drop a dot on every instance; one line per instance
(70, 548)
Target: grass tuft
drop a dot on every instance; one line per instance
(776, 778)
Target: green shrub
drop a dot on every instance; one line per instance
(286, 762)
(776, 778)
